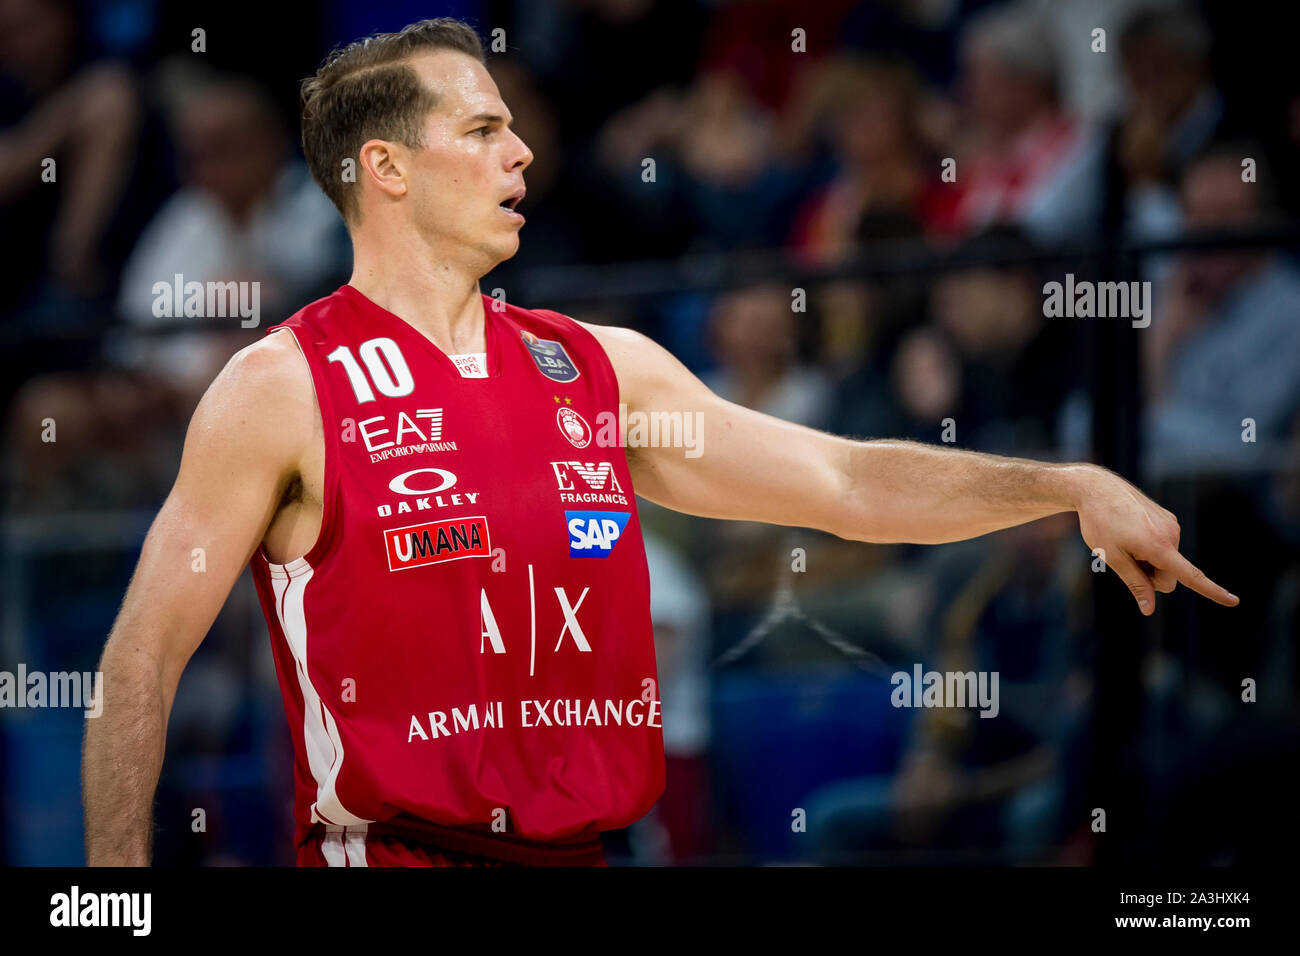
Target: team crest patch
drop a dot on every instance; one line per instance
(573, 427)
(552, 361)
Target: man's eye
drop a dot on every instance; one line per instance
(484, 131)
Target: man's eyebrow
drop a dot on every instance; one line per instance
(486, 118)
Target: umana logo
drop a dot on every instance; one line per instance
(593, 534)
(435, 541)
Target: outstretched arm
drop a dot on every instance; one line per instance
(753, 467)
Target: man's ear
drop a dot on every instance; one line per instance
(384, 165)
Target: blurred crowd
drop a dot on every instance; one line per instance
(129, 157)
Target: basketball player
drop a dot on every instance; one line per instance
(440, 518)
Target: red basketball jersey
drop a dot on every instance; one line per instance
(469, 638)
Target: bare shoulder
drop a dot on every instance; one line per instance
(642, 365)
(617, 341)
(266, 379)
(261, 403)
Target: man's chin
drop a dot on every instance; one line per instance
(507, 250)
(499, 254)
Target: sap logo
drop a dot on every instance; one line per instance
(593, 534)
(436, 541)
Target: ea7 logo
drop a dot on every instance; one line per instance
(403, 426)
(593, 534)
(436, 541)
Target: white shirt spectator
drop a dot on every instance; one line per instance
(292, 241)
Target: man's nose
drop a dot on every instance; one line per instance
(522, 156)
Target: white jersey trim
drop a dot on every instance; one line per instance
(344, 846)
(320, 733)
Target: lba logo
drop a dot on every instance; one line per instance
(593, 534)
(552, 361)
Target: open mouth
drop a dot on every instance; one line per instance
(511, 201)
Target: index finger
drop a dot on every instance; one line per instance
(1194, 578)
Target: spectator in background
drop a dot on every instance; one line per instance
(1174, 110)
(926, 384)
(245, 212)
(736, 191)
(679, 608)
(1224, 342)
(65, 237)
(754, 336)
(1091, 85)
(1025, 161)
(716, 179)
(1015, 363)
(964, 782)
(886, 182)
(861, 321)
(986, 358)
(755, 341)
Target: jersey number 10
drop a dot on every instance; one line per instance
(392, 380)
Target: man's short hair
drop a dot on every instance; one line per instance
(368, 90)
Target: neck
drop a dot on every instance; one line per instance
(432, 291)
